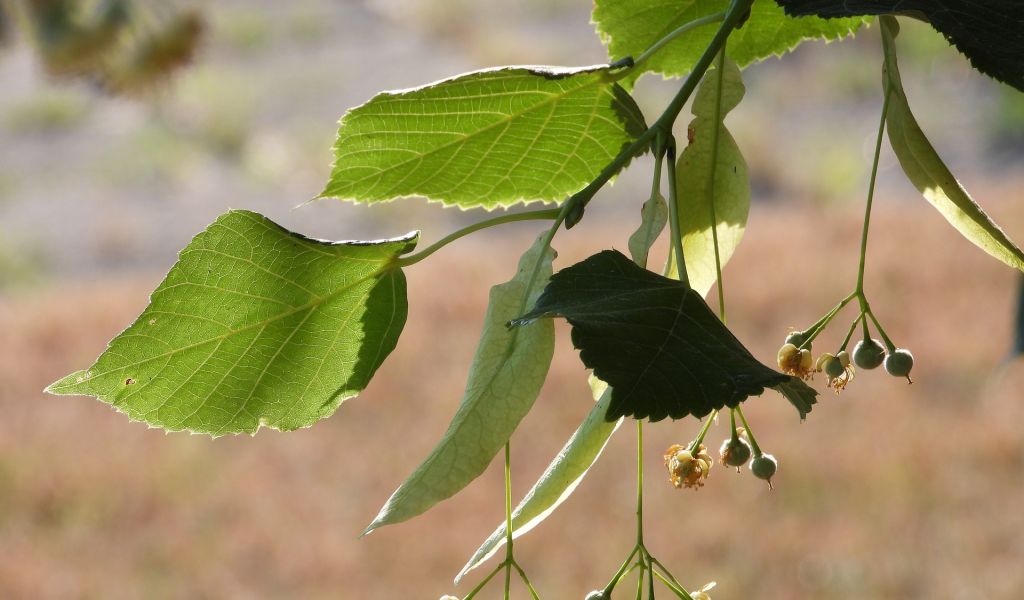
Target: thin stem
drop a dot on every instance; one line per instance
(871, 196)
(650, 578)
(526, 581)
(750, 434)
(849, 334)
(666, 572)
(509, 560)
(703, 432)
(484, 582)
(678, 31)
(533, 215)
(885, 338)
(813, 331)
(716, 122)
(623, 570)
(678, 591)
(673, 211)
(640, 484)
(640, 583)
(732, 424)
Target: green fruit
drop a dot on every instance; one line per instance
(868, 354)
(735, 452)
(597, 595)
(834, 368)
(764, 467)
(797, 338)
(899, 363)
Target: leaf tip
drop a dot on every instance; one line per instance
(66, 385)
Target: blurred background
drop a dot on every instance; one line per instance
(889, 491)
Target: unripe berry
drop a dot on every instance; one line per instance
(735, 452)
(868, 354)
(899, 363)
(834, 368)
(797, 338)
(764, 467)
(597, 595)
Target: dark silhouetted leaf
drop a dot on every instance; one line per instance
(799, 394)
(652, 339)
(988, 32)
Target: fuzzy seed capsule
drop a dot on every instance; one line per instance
(899, 363)
(735, 452)
(764, 467)
(868, 354)
(797, 338)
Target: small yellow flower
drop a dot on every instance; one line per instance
(796, 362)
(686, 468)
(838, 370)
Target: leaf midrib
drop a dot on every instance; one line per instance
(317, 301)
(598, 79)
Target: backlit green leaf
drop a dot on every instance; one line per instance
(506, 376)
(652, 339)
(487, 139)
(628, 28)
(254, 326)
(929, 174)
(558, 481)
(701, 183)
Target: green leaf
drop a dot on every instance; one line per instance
(558, 481)
(929, 174)
(986, 32)
(799, 394)
(653, 218)
(653, 339)
(707, 176)
(487, 139)
(507, 374)
(254, 326)
(628, 28)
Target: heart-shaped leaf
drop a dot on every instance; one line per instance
(254, 326)
(652, 339)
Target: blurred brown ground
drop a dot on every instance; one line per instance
(888, 491)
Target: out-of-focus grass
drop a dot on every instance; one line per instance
(888, 491)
